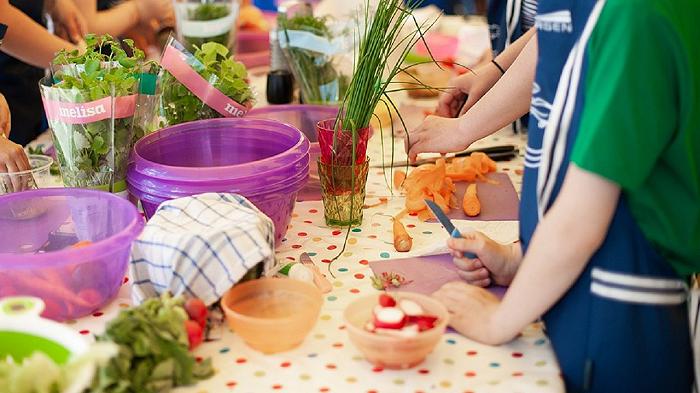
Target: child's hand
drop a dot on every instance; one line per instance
(495, 263)
(5, 119)
(12, 159)
(435, 135)
(471, 309)
(69, 22)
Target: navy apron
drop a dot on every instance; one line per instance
(623, 325)
(505, 27)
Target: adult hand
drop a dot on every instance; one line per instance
(471, 311)
(495, 263)
(5, 117)
(435, 135)
(466, 90)
(159, 10)
(13, 159)
(69, 22)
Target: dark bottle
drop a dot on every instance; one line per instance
(280, 82)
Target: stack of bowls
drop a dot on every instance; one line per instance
(304, 117)
(263, 160)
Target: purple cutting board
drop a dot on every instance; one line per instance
(427, 274)
(499, 202)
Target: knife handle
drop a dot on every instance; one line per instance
(321, 282)
(456, 234)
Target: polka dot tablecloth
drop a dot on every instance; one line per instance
(327, 361)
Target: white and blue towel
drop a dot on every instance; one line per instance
(200, 246)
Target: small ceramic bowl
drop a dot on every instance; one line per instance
(272, 314)
(389, 351)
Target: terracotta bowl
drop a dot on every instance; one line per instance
(388, 351)
(272, 314)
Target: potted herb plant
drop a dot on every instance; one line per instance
(205, 84)
(387, 35)
(90, 102)
(314, 54)
(200, 21)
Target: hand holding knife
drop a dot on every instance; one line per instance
(447, 223)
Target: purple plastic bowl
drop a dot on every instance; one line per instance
(219, 149)
(155, 188)
(277, 205)
(38, 256)
(176, 188)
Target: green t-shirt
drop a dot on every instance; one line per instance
(640, 126)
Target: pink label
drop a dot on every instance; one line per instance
(90, 112)
(175, 62)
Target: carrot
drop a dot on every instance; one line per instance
(37, 284)
(382, 200)
(471, 204)
(415, 204)
(440, 201)
(81, 244)
(399, 177)
(425, 215)
(402, 241)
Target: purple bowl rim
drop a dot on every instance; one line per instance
(136, 158)
(90, 252)
(298, 182)
(132, 172)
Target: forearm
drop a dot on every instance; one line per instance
(27, 40)
(508, 56)
(115, 21)
(507, 100)
(567, 237)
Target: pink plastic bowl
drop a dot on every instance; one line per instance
(39, 255)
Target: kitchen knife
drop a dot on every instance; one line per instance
(496, 153)
(319, 279)
(445, 221)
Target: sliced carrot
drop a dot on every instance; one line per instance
(399, 177)
(440, 201)
(471, 204)
(425, 215)
(415, 204)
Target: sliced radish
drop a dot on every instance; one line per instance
(423, 322)
(389, 318)
(405, 332)
(410, 330)
(410, 307)
(386, 300)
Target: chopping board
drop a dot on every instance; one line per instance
(499, 202)
(427, 274)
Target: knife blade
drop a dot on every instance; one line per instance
(447, 223)
(496, 153)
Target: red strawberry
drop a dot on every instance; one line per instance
(195, 334)
(197, 311)
(386, 300)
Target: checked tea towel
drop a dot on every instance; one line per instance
(200, 246)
